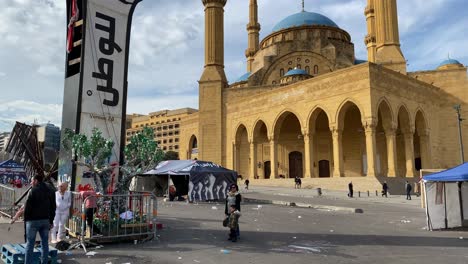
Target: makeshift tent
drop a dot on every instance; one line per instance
(12, 172)
(447, 198)
(199, 180)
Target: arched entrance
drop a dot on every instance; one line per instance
(261, 150)
(295, 164)
(422, 155)
(321, 148)
(385, 141)
(324, 168)
(193, 148)
(289, 139)
(242, 151)
(267, 169)
(405, 145)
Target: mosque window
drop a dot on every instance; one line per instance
(307, 69)
(176, 125)
(316, 69)
(298, 59)
(281, 72)
(307, 61)
(176, 140)
(298, 66)
(290, 63)
(176, 147)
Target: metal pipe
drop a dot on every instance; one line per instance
(458, 108)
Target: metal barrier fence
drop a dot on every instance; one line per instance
(117, 216)
(8, 196)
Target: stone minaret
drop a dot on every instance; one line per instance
(211, 85)
(388, 52)
(370, 39)
(253, 28)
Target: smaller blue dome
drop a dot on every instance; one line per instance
(243, 78)
(447, 62)
(304, 19)
(358, 61)
(296, 72)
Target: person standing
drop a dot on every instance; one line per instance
(384, 189)
(233, 198)
(247, 184)
(63, 203)
(408, 190)
(39, 213)
(350, 188)
(233, 223)
(89, 197)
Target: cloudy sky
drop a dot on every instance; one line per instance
(166, 52)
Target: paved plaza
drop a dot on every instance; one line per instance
(390, 230)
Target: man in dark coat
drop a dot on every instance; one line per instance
(39, 214)
(384, 189)
(408, 190)
(350, 188)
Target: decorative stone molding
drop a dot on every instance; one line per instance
(216, 2)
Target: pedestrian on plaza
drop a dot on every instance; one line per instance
(350, 188)
(299, 182)
(247, 184)
(233, 198)
(384, 189)
(408, 190)
(63, 203)
(233, 223)
(39, 213)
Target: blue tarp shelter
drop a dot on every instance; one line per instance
(447, 198)
(199, 180)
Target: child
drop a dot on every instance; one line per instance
(233, 223)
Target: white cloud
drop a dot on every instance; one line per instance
(144, 105)
(2, 74)
(28, 112)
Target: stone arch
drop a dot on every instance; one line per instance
(404, 143)
(384, 130)
(353, 140)
(193, 147)
(287, 137)
(321, 143)
(422, 155)
(281, 117)
(339, 116)
(261, 149)
(241, 150)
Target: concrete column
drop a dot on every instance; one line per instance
(253, 160)
(371, 150)
(338, 166)
(234, 156)
(409, 153)
(273, 159)
(391, 152)
(308, 155)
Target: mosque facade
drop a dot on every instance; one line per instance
(307, 107)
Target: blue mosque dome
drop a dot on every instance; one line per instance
(448, 62)
(243, 78)
(304, 19)
(296, 72)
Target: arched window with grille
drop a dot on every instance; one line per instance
(281, 72)
(316, 69)
(307, 69)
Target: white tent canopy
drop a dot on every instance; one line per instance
(447, 198)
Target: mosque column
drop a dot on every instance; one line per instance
(424, 142)
(234, 156)
(390, 135)
(273, 158)
(338, 166)
(409, 153)
(308, 154)
(253, 160)
(371, 150)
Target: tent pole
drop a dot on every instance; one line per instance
(445, 207)
(459, 184)
(429, 226)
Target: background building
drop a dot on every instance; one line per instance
(308, 107)
(166, 125)
(4, 138)
(48, 135)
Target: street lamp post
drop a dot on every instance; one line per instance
(458, 108)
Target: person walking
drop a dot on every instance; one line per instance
(384, 189)
(233, 223)
(233, 198)
(350, 188)
(39, 214)
(247, 184)
(63, 203)
(408, 190)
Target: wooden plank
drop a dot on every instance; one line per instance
(75, 61)
(77, 43)
(79, 23)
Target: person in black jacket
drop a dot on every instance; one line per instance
(233, 198)
(39, 214)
